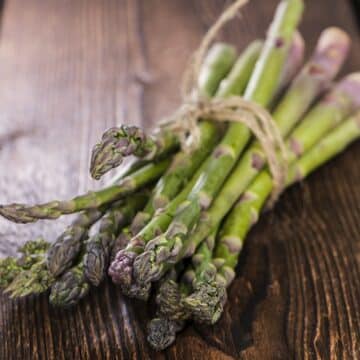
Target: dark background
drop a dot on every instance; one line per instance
(68, 70)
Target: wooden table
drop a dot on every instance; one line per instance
(68, 70)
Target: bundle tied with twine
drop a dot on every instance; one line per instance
(234, 108)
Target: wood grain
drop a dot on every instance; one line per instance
(68, 70)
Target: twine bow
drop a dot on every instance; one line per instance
(235, 108)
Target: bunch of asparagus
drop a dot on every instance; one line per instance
(170, 206)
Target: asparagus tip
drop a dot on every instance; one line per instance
(62, 253)
(16, 213)
(206, 303)
(162, 332)
(170, 302)
(95, 263)
(121, 268)
(70, 288)
(146, 267)
(116, 143)
(137, 291)
(333, 35)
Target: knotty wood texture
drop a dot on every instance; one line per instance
(68, 70)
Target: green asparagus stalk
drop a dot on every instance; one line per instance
(93, 200)
(164, 249)
(98, 247)
(315, 77)
(121, 268)
(246, 212)
(293, 63)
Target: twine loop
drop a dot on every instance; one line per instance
(234, 109)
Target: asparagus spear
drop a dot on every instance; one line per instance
(118, 142)
(93, 200)
(247, 211)
(164, 249)
(172, 313)
(314, 78)
(98, 247)
(70, 288)
(66, 247)
(162, 332)
(293, 63)
(36, 280)
(121, 268)
(31, 253)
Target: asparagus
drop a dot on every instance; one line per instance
(32, 252)
(172, 311)
(204, 284)
(92, 200)
(315, 77)
(171, 314)
(98, 247)
(293, 63)
(118, 142)
(70, 288)
(10, 268)
(164, 249)
(121, 268)
(246, 212)
(34, 280)
(66, 247)
(162, 332)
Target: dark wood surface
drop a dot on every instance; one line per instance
(69, 69)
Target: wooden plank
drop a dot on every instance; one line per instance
(71, 68)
